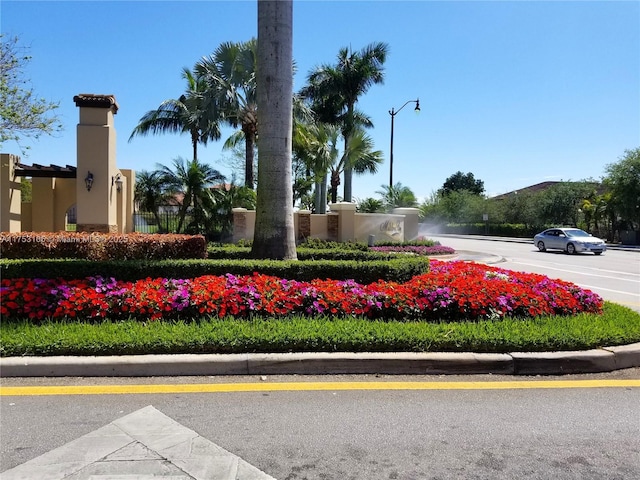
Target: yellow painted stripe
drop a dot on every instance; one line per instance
(310, 386)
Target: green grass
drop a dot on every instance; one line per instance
(616, 326)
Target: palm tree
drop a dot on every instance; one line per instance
(230, 76)
(149, 194)
(370, 205)
(274, 231)
(189, 114)
(335, 90)
(397, 196)
(226, 198)
(193, 180)
(315, 144)
(359, 158)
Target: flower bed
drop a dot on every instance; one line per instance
(450, 291)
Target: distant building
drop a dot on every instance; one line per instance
(541, 187)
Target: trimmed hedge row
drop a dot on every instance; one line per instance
(517, 230)
(397, 268)
(231, 252)
(101, 246)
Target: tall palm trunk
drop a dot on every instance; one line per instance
(335, 182)
(320, 201)
(274, 232)
(348, 167)
(194, 142)
(250, 142)
(348, 175)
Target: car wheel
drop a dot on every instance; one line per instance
(571, 249)
(597, 253)
(541, 246)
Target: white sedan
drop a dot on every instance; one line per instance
(570, 240)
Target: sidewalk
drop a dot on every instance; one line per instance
(143, 445)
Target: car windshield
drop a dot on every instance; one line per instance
(576, 233)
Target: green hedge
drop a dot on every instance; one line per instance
(517, 230)
(304, 253)
(101, 246)
(399, 268)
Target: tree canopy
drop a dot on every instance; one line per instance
(462, 181)
(22, 113)
(334, 90)
(623, 180)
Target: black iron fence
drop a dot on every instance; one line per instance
(165, 221)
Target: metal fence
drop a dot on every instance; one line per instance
(165, 222)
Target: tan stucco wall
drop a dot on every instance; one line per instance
(43, 204)
(10, 200)
(65, 198)
(26, 221)
(51, 198)
(384, 226)
(352, 226)
(319, 226)
(102, 208)
(96, 151)
(411, 222)
(125, 203)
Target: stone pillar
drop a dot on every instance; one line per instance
(332, 226)
(128, 193)
(239, 223)
(10, 201)
(411, 222)
(96, 151)
(346, 220)
(304, 225)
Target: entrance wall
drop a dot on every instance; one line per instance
(341, 224)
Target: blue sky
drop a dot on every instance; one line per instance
(516, 92)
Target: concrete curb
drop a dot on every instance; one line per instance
(606, 359)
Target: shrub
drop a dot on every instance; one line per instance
(101, 246)
(397, 268)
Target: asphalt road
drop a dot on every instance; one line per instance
(474, 433)
(614, 275)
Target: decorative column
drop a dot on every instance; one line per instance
(96, 193)
(239, 224)
(10, 201)
(346, 220)
(411, 221)
(303, 230)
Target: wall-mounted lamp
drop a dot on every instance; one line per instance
(117, 180)
(88, 181)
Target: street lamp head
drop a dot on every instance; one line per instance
(417, 109)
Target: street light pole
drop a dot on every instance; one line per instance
(393, 114)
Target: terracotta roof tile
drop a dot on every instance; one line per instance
(96, 101)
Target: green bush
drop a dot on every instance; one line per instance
(318, 244)
(396, 268)
(234, 252)
(101, 246)
(517, 230)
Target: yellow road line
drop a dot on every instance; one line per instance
(310, 386)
